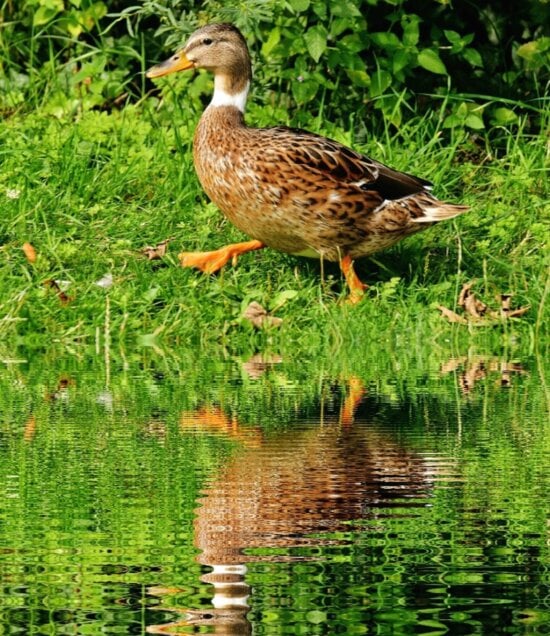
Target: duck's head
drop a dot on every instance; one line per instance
(220, 49)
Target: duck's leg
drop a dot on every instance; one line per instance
(211, 262)
(356, 392)
(356, 287)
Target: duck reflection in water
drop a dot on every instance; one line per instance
(278, 492)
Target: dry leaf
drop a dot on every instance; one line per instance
(470, 303)
(463, 292)
(452, 316)
(259, 317)
(157, 251)
(29, 252)
(477, 313)
(505, 302)
(517, 312)
(506, 309)
(475, 307)
(63, 297)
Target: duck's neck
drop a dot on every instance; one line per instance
(231, 90)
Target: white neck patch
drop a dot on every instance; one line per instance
(222, 98)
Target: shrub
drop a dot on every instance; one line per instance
(345, 56)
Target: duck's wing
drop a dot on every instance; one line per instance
(334, 161)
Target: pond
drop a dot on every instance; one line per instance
(265, 495)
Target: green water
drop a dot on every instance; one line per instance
(269, 495)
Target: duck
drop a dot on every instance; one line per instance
(287, 188)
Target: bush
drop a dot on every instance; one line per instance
(346, 56)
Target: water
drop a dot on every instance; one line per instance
(267, 497)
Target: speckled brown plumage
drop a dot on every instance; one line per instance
(290, 189)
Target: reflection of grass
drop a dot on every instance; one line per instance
(90, 194)
(97, 495)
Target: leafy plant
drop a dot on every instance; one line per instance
(350, 56)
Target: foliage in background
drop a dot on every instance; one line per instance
(349, 56)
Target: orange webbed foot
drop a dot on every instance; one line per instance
(356, 287)
(210, 262)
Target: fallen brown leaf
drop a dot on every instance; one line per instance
(29, 252)
(259, 317)
(505, 302)
(477, 312)
(63, 297)
(470, 303)
(518, 312)
(463, 292)
(506, 309)
(451, 315)
(157, 251)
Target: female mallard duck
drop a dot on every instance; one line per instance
(286, 188)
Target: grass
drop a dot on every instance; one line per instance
(90, 190)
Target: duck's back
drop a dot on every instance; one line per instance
(305, 194)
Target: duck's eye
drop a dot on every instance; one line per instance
(207, 41)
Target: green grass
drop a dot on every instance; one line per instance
(90, 190)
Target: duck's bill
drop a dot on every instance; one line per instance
(177, 62)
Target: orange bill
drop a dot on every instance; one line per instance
(177, 62)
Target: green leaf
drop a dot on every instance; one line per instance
(400, 60)
(451, 121)
(474, 121)
(316, 41)
(271, 42)
(385, 40)
(431, 61)
(299, 5)
(358, 78)
(70, 23)
(339, 25)
(528, 51)
(473, 57)
(304, 91)
(93, 13)
(463, 116)
(281, 298)
(345, 8)
(411, 32)
(463, 110)
(453, 36)
(43, 15)
(503, 116)
(379, 81)
(320, 10)
(536, 53)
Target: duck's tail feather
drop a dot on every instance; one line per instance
(440, 211)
